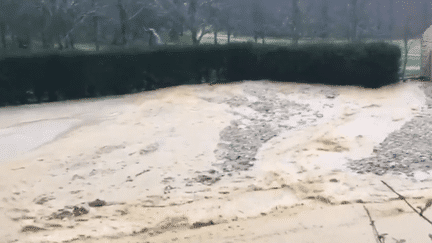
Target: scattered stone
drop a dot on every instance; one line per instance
(122, 212)
(149, 149)
(198, 225)
(20, 168)
(172, 223)
(167, 180)
(77, 177)
(43, 199)
(237, 101)
(31, 228)
(167, 189)
(144, 171)
(53, 225)
(254, 188)
(77, 211)
(109, 149)
(97, 203)
(143, 230)
(207, 180)
(323, 199)
(62, 214)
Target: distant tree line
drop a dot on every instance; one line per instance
(64, 23)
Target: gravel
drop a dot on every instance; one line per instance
(404, 151)
(263, 116)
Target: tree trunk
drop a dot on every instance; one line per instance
(194, 36)
(406, 57)
(215, 37)
(152, 37)
(45, 42)
(392, 19)
(59, 42)
(296, 39)
(192, 12)
(3, 34)
(174, 35)
(295, 29)
(95, 27)
(69, 43)
(353, 20)
(229, 34)
(24, 41)
(122, 13)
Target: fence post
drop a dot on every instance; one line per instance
(426, 54)
(429, 66)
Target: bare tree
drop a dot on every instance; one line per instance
(258, 21)
(123, 24)
(295, 23)
(214, 11)
(177, 20)
(22, 22)
(229, 17)
(359, 20)
(154, 38)
(194, 25)
(6, 11)
(352, 5)
(236, 17)
(23, 19)
(365, 25)
(195, 15)
(137, 25)
(392, 19)
(322, 29)
(95, 19)
(379, 20)
(61, 20)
